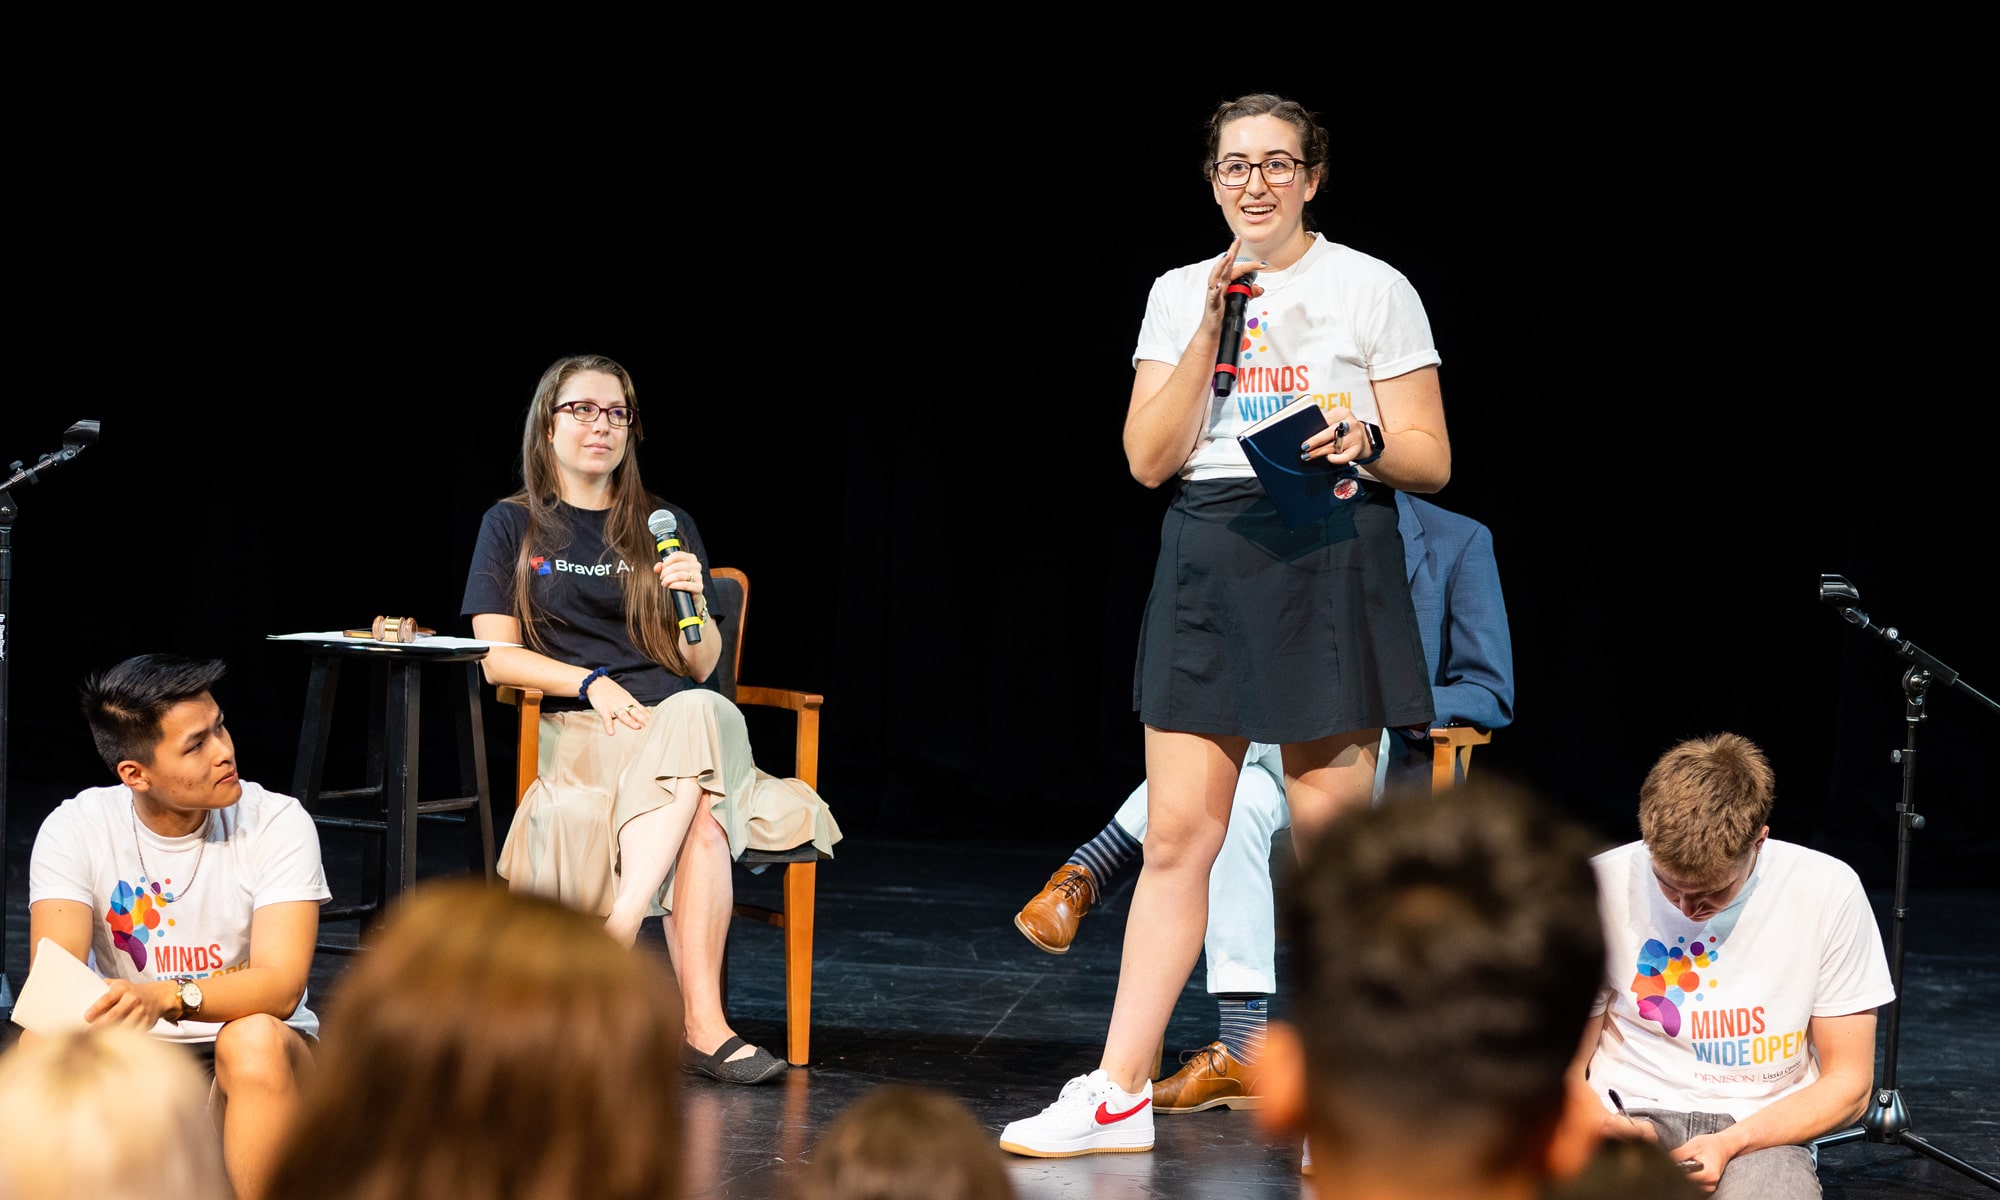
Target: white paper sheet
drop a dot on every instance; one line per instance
(431, 640)
(56, 993)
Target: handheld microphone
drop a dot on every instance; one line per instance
(1234, 297)
(666, 540)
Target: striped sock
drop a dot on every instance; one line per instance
(1108, 854)
(1243, 1016)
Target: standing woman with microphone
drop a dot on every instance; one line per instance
(646, 791)
(1305, 639)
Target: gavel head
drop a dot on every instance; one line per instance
(395, 629)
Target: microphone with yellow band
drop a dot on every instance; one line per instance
(666, 540)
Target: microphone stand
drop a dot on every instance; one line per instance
(75, 438)
(1886, 1120)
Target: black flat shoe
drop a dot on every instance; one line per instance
(758, 1067)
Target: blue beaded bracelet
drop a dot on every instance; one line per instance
(583, 690)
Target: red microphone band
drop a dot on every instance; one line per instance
(1225, 368)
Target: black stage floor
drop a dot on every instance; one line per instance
(920, 977)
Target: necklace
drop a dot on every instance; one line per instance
(1274, 278)
(141, 846)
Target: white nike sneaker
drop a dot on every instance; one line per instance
(1092, 1116)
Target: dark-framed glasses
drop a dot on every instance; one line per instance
(586, 411)
(1235, 172)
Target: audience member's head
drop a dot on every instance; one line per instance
(1704, 805)
(486, 1044)
(106, 1114)
(1447, 950)
(901, 1142)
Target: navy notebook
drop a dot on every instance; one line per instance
(1302, 491)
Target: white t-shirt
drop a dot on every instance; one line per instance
(1711, 1016)
(1327, 326)
(189, 920)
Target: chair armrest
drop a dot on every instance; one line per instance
(778, 698)
(806, 705)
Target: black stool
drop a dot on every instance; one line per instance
(389, 853)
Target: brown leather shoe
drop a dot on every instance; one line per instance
(1051, 918)
(1212, 1078)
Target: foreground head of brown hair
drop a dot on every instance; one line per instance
(901, 1142)
(1448, 949)
(493, 1044)
(108, 1113)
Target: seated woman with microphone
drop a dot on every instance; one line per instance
(646, 790)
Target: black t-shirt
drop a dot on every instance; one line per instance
(579, 594)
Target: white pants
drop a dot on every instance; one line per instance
(1241, 943)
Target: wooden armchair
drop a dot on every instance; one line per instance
(800, 864)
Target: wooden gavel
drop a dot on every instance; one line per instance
(391, 629)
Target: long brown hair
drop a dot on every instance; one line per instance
(624, 527)
(492, 1044)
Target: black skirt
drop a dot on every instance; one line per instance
(1279, 636)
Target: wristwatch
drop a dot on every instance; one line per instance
(1375, 444)
(190, 994)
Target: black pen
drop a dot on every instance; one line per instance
(1617, 1103)
(1686, 1164)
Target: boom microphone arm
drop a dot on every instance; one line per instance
(1835, 590)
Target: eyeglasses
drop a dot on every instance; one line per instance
(586, 412)
(1235, 172)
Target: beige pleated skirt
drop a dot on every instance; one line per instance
(564, 839)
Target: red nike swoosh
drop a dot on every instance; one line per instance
(1106, 1117)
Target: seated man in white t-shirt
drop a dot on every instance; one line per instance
(1738, 1020)
(194, 894)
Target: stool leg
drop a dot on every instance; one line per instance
(472, 771)
(375, 846)
(399, 780)
(314, 728)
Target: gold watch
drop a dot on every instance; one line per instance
(190, 996)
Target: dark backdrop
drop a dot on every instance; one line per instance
(1700, 334)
